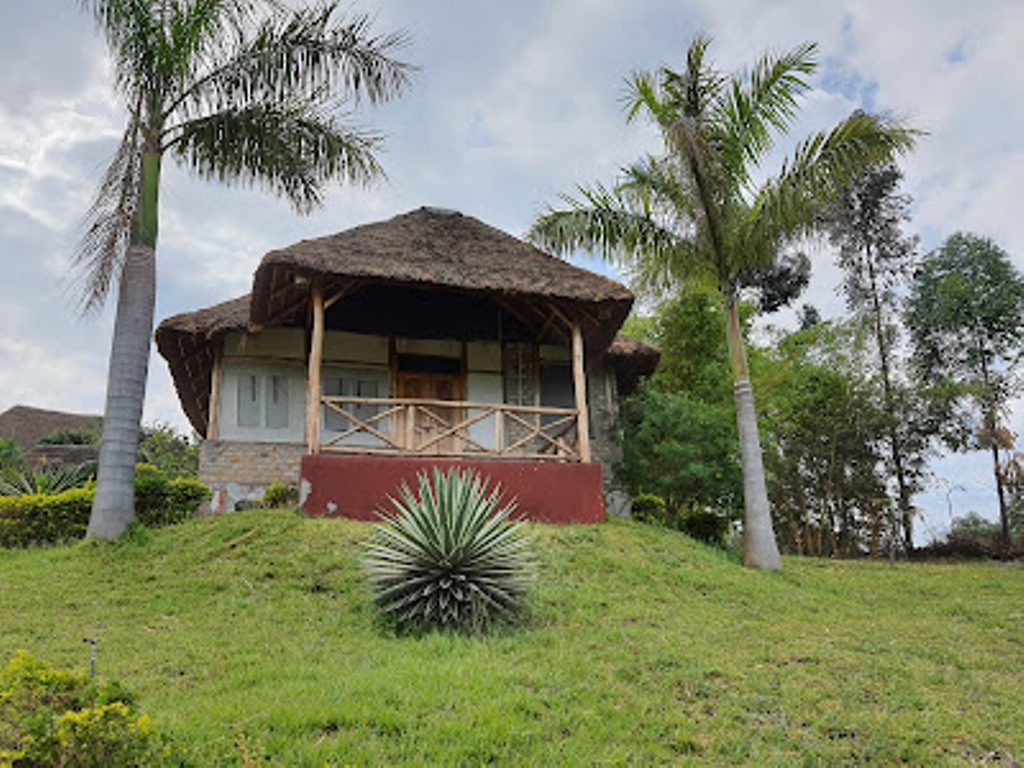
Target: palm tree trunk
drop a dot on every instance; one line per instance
(759, 547)
(113, 508)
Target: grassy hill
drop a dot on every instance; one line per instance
(253, 635)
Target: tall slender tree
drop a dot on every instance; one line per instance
(698, 206)
(877, 259)
(966, 321)
(241, 91)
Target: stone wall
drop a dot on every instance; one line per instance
(605, 442)
(237, 471)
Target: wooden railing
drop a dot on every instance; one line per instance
(419, 427)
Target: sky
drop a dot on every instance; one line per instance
(513, 104)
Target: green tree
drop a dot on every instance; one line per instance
(966, 321)
(242, 91)
(876, 259)
(690, 332)
(681, 449)
(823, 420)
(698, 207)
(173, 454)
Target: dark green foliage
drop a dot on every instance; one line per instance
(705, 525)
(682, 450)
(49, 518)
(649, 508)
(451, 557)
(966, 314)
(71, 437)
(50, 716)
(702, 524)
(173, 454)
(280, 495)
(690, 332)
(161, 501)
(10, 455)
(779, 284)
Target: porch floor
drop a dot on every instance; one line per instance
(356, 487)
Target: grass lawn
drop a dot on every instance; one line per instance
(252, 635)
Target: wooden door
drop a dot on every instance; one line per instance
(430, 421)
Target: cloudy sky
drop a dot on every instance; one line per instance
(514, 103)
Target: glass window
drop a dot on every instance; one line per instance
(277, 402)
(335, 386)
(249, 400)
(366, 388)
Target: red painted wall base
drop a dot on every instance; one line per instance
(357, 486)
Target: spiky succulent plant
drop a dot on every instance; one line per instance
(450, 557)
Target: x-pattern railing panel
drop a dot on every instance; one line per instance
(418, 426)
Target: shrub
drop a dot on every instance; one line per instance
(50, 716)
(451, 558)
(159, 501)
(649, 508)
(704, 525)
(280, 495)
(51, 518)
(77, 436)
(43, 519)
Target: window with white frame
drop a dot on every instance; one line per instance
(263, 401)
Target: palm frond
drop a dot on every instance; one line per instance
(752, 112)
(821, 166)
(601, 222)
(291, 150)
(652, 186)
(667, 96)
(100, 252)
(308, 53)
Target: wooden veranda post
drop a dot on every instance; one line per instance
(316, 353)
(579, 385)
(216, 382)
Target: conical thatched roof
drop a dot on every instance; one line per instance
(426, 250)
(431, 247)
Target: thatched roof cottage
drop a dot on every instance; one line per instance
(430, 338)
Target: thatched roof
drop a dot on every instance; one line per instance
(376, 268)
(188, 342)
(632, 360)
(437, 248)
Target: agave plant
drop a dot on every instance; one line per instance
(450, 557)
(55, 478)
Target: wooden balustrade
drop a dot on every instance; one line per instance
(422, 427)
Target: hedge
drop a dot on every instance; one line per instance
(51, 518)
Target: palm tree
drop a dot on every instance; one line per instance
(698, 210)
(242, 91)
